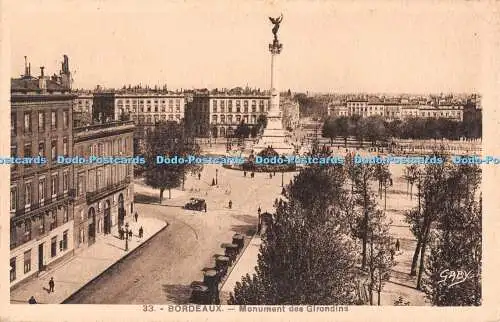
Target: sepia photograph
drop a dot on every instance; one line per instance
(247, 156)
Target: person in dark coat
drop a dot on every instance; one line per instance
(397, 245)
(141, 231)
(136, 216)
(199, 176)
(230, 204)
(51, 285)
(130, 233)
(32, 300)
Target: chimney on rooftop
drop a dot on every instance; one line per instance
(26, 71)
(42, 82)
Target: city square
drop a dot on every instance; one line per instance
(133, 205)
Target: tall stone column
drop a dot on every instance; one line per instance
(273, 114)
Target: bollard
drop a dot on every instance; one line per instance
(200, 293)
(211, 280)
(221, 264)
(239, 240)
(230, 250)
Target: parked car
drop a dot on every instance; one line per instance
(196, 204)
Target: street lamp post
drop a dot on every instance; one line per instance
(126, 237)
(216, 176)
(282, 172)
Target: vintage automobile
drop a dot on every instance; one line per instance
(196, 204)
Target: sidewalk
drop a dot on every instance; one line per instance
(246, 264)
(82, 268)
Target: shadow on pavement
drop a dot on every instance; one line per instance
(247, 219)
(176, 293)
(141, 198)
(248, 230)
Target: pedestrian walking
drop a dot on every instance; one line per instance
(136, 215)
(205, 207)
(141, 231)
(259, 210)
(397, 245)
(392, 253)
(51, 285)
(199, 176)
(270, 175)
(32, 300)
(130, 233)
(244, 174)
(252, 175)
(230, 204)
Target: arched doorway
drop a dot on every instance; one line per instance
(121, 210)
(107, 217)
(92, 223)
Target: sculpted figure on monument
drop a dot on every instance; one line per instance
(276, 22)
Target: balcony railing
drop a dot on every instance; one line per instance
(47, 203)
(109, 189)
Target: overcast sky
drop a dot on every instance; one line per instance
(327, 45)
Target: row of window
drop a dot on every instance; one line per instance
(237, 119)
(63, 246)
(101, 177)
(222, 103)
(41, 151)
(141, 102)
(238, 110)
(113, 147)
(148, 109)
(29, 190)
(149, 119)
(39, 121)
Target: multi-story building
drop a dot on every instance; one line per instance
(449, 111)
(218, 113)
(82, 109)
(41, 212)
(357, 107)
(103, 192)
(409, 111)
(150, 108)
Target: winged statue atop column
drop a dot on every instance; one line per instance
(276, 22)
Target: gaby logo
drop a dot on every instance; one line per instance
(454, 277)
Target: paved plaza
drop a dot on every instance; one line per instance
(72, 275)
(161, 271)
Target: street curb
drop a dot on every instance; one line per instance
(115, 263)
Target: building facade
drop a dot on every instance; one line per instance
(103, 192)
(41, 212)
(83, 109)
(150, 108)
(218, 113)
